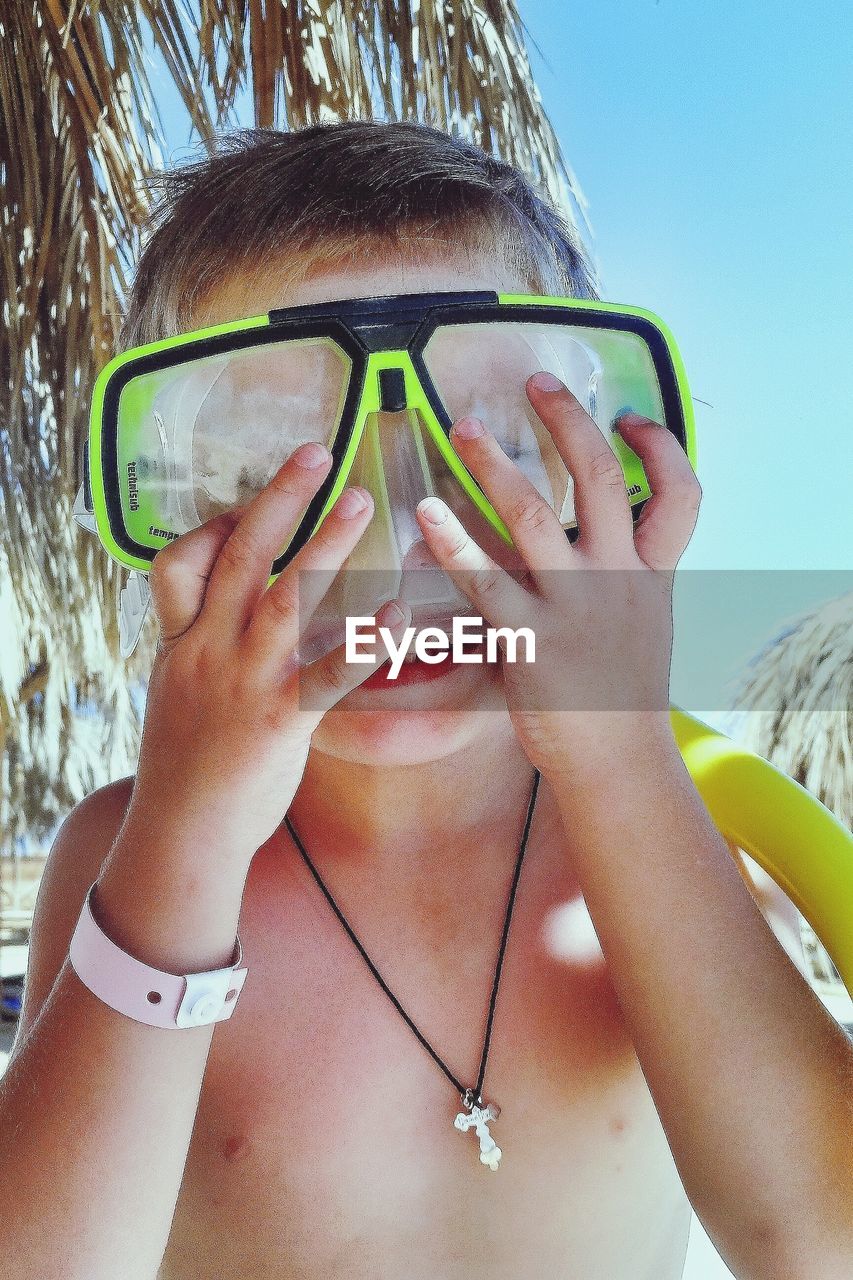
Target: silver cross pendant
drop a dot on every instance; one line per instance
(478, 1119)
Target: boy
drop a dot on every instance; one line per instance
(312, 1135)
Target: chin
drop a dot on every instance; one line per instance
(416, 723)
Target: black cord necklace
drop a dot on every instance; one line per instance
(480, 1114)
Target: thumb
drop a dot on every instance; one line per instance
(180, 572)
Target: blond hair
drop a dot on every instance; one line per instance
(345, 189)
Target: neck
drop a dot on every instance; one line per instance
(411, 823)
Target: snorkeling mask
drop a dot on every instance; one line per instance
(191, 426)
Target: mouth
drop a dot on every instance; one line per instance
(415, 671)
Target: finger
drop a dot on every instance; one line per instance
(329, 679)
(497, 596)
(603, 511)
(287, 605)
(243, 566)
(180, 573)
(669, 517)
(533, 523)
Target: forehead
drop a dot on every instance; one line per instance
(240, 296)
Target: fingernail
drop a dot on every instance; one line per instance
(311, 456)
(390, 615)
(632, 419)
(433, 510)
(468, 428)
(546, 382)
(350, 503)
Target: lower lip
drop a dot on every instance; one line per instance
(416, 672)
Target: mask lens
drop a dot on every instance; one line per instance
(482, 369)
(202, 437)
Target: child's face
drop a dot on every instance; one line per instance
(453, 705)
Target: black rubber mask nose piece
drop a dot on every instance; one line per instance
(392, 390)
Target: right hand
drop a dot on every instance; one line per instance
(229, 713)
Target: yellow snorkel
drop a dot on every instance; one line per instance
(789, 833)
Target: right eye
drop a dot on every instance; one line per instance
(516, 452)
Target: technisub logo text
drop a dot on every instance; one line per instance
(161, 533)
(634, 489)
(432, 644)
(132, 487)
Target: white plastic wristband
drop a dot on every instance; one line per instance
(148, 995)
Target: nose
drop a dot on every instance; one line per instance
(397, 467)
(393, 460)
(407, 480)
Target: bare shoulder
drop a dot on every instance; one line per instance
(78, 852)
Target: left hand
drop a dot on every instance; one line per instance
(600, 683)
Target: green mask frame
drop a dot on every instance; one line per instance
(384, 344)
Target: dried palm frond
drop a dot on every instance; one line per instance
(798, 701)
(460, 65)
(79, 133)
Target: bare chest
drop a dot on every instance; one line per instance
(325, 1142)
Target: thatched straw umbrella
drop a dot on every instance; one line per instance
(79, 135)
(797, 703)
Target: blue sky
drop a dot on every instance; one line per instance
(714, 144)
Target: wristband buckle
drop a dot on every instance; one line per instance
(210, 997)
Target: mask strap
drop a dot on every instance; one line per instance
(135, 597)
(133, 605)
(84, 515)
